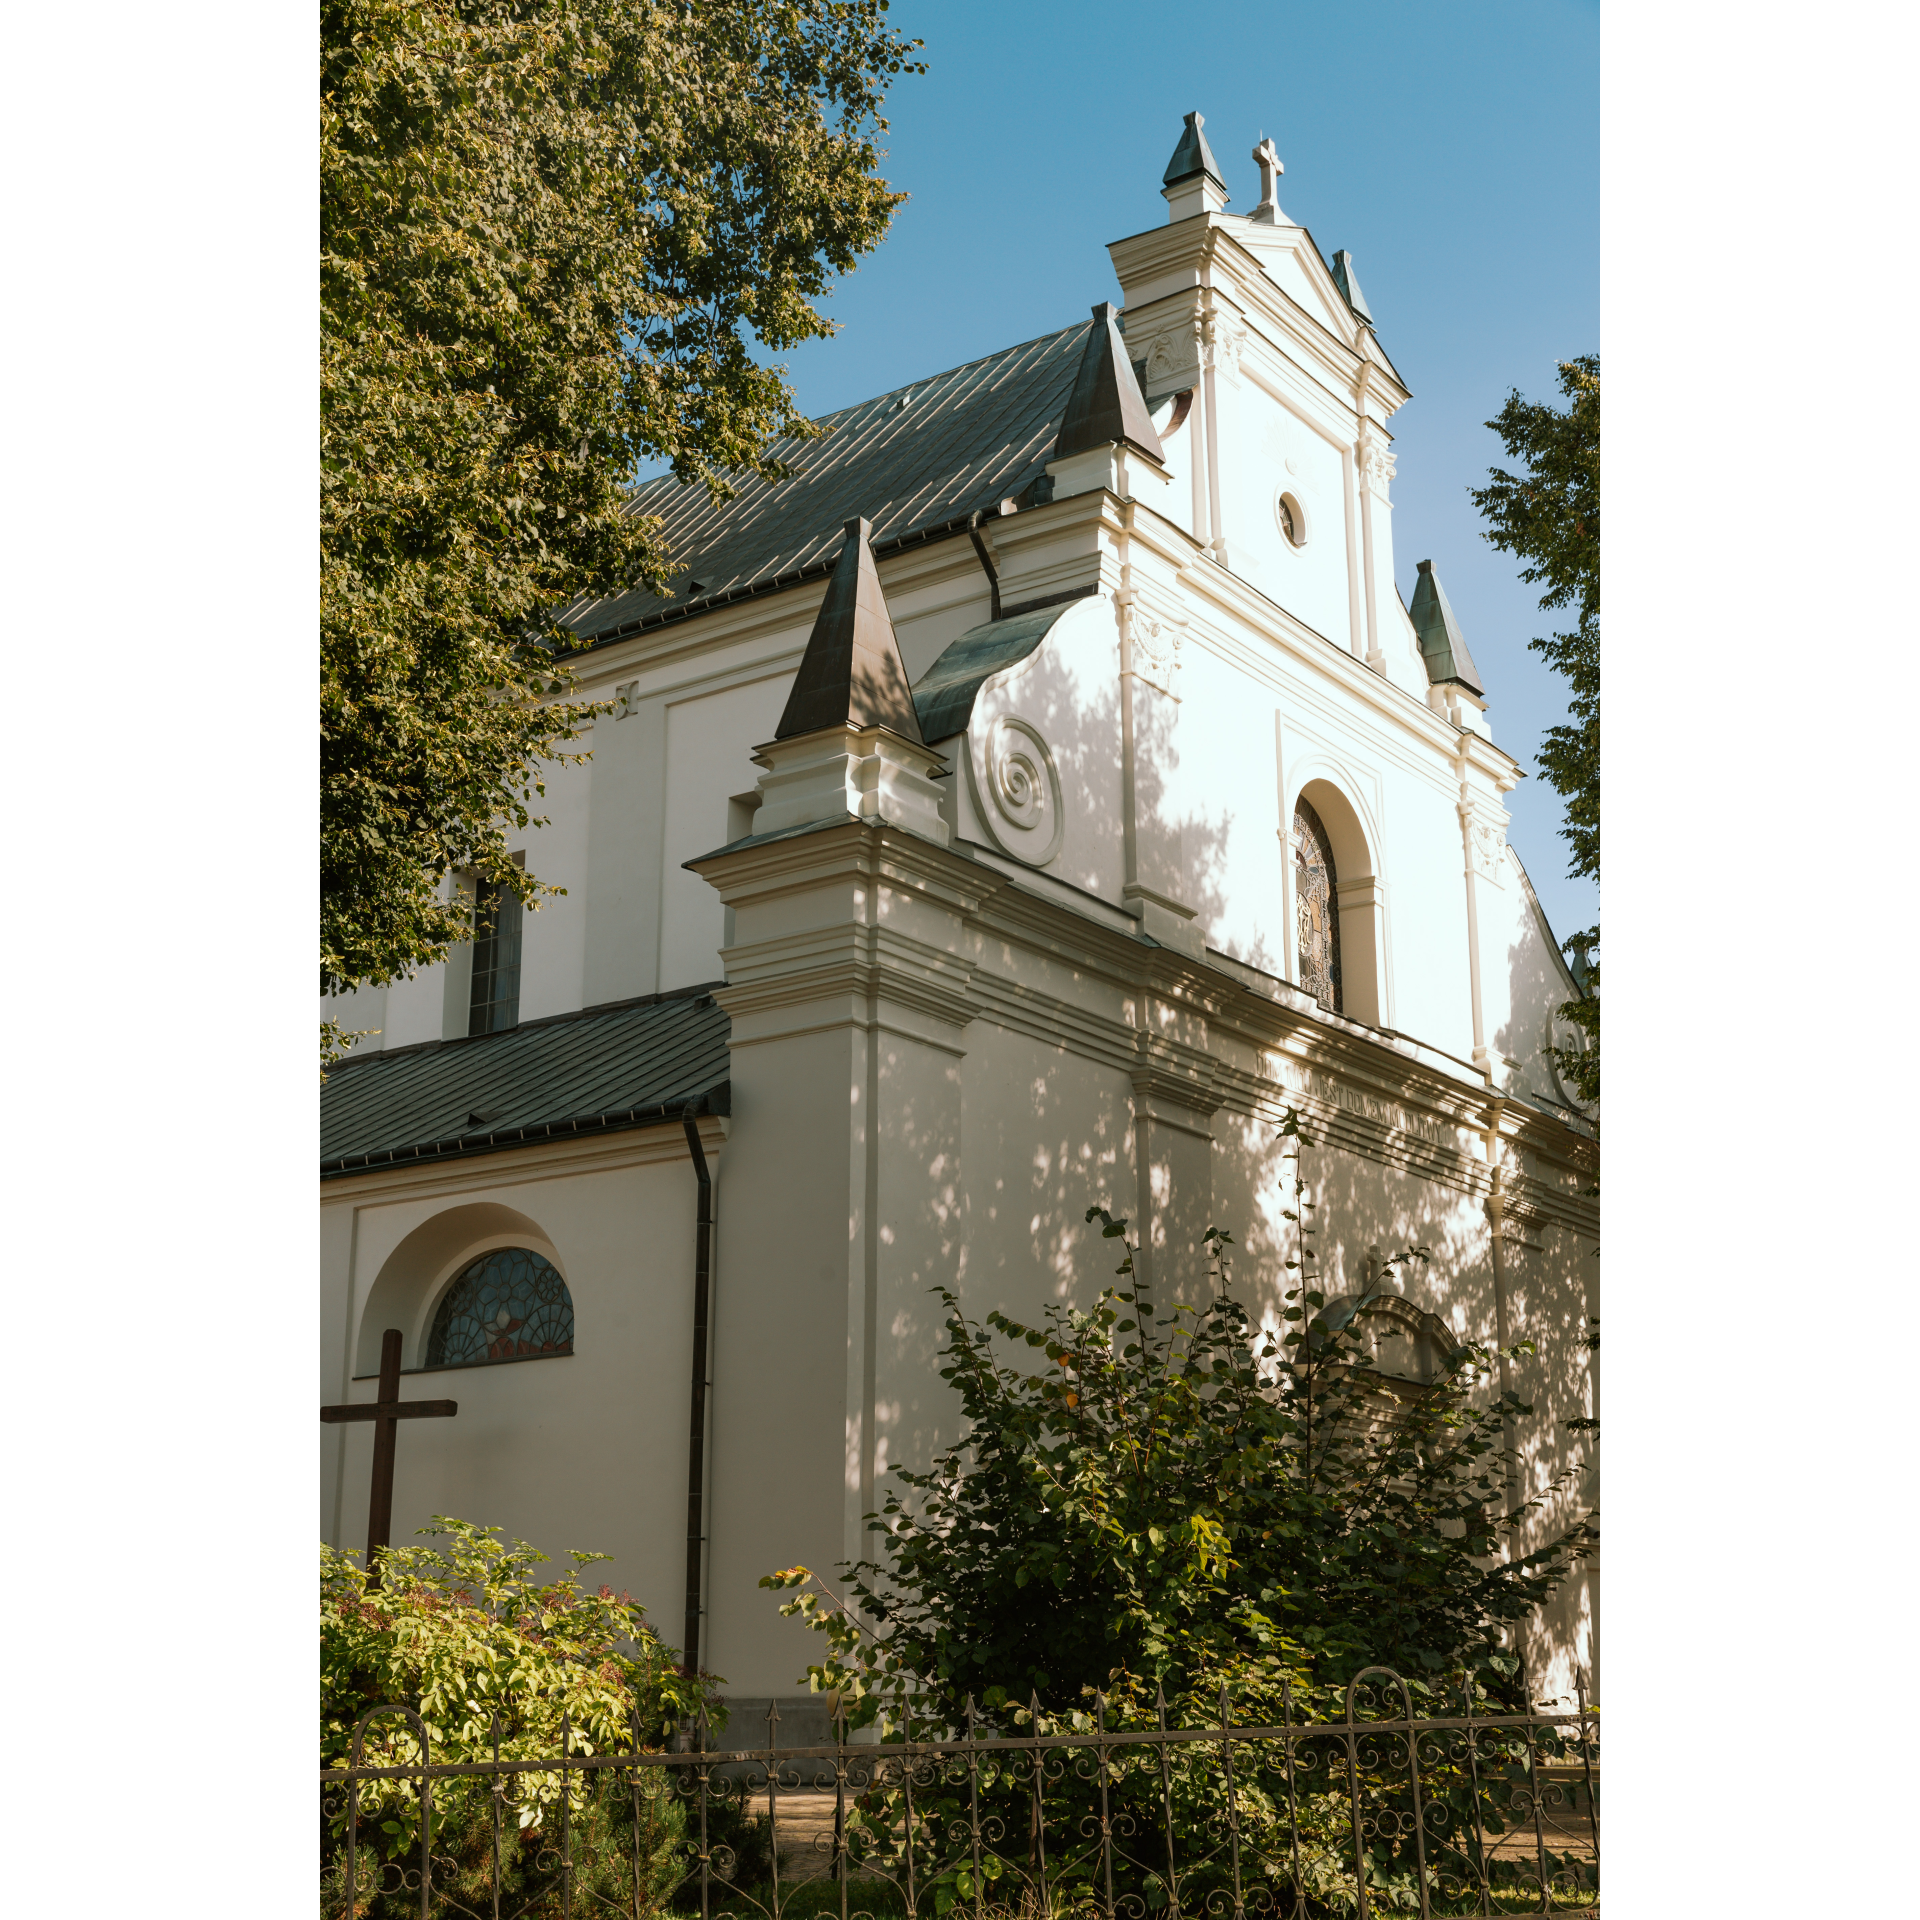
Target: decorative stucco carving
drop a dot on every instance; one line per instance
(1377, 461)
(1153, 633)
(1226, 340)
(1173, 354)
(1156, 649)
(1017, 790)
(1486, 837)
(1568, 1038)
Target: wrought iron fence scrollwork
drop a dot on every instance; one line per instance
(1109, 1814)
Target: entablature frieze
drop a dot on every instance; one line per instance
(872, 963)
(1185, 1031)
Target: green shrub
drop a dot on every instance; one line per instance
(490, 1661)
(1190, 1500)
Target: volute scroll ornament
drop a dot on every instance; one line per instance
(1016, 786)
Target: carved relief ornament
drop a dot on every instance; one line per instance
(1486, 844)
(1154, 640)
(1377, 461)
(1173, 354)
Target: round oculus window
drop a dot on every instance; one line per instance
(1292, 520)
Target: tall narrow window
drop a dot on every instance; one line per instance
(495, 1002)
(1316, 900)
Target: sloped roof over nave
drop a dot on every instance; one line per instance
(634, 1063)
(909, 461)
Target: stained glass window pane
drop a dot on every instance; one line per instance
(1316, 902)
(507, 1305)
(495, 1001)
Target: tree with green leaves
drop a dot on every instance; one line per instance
(552, 234)
(1549, 515)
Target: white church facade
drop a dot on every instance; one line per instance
(1018, 808)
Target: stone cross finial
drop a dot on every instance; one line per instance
(1268, 160)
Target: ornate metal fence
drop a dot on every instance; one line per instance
(1378, 1812)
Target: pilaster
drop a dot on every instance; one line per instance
(1153, 622)
(848, 989)
(1173, 1104)
(1483, 838)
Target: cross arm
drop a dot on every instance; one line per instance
(391, 1410)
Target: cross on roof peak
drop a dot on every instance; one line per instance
(1267, 158)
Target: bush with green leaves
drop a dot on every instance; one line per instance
(1189, 1498)
(1195, 1515)
(494, 1663)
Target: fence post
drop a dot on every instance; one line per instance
(906, 1781)
(633, 1786)
(566, 1819)
(773, 1795)
(353, 1829)
(1166, 1800)
(1533, 1784)
(1038, 1851)
(1473, 1780)
(702, 1774)
(973, 1805)
(1364, 1906)
(1586, 1766)
(426, 1819)
(1293, 1799)
(1106, 1818)
(1419, 1800)
(1233, 1810)
(840, 1801)
(494, 1798)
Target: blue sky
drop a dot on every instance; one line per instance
(1454, 150)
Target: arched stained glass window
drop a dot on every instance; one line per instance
(508, 1305)
(1316, 901)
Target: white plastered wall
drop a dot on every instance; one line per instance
(587, 1450)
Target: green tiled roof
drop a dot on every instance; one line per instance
(635, 1063)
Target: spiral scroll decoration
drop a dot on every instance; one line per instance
(1018, 787)
(1402, 1799)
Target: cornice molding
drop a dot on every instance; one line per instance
(517, 1165)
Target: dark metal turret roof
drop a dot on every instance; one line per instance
(1442, 645)
(1107, 404)
(1348, 282)
(851, 674)
(1192, 156)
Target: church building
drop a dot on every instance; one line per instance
(1016, 809)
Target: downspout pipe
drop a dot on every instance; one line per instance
(986, 559)
(697, 1413)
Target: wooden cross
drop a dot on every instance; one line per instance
(384, 1412)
